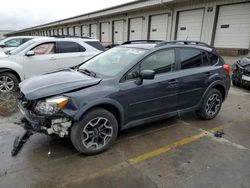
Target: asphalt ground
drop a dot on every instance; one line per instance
(177, 152)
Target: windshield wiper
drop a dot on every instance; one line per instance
(88, 72)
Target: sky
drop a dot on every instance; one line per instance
(20, 14)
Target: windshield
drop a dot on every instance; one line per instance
(21, 47)
(111, 62)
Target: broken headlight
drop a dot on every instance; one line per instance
(51, 105)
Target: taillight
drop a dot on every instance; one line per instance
(227, 68)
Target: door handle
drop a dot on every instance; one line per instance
(208, 74)
(52, 58)
(173, 82)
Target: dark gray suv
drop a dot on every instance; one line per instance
(129, 85)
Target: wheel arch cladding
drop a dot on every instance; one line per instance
(221, 89)
(116, 111)
(5, 70)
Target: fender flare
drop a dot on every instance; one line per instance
(218, 82)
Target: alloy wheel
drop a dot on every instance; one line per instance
(6, 83)
(97, 133)
(213, 104)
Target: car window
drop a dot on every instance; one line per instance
(44, 49)
(190, 58)
(13, 42)
(161, 62)
(26, 39)
(69, 47)
(96, 45)
(111, 62)
(213, 58)
(205, 60)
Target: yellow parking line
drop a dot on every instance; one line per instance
(155, 153)
(175, 145)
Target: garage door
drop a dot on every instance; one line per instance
(105, 32)
(71, 31)
(233, 26)
(118, 32)
(190, 25)
(158, 27)
(65, 31)
(55, 32)
(85, 31)
(93, 30)
(135, 30)
(60, 31)
(77, 31)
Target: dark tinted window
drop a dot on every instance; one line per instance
(205, 60)
(161, 62)
(190, 58)
(26, 39)
(96, 45)
(213, 58)
(69, 47)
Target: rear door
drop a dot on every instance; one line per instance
(68, 54)
(153, 97)
(196, 71)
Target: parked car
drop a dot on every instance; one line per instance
(241, 72)
(126, 86)
(44, 55)
(11, 43)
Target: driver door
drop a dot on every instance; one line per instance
(152, 97)
(43, 60)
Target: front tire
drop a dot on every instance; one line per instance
(95, 132)
(8, 82)
(211, 105)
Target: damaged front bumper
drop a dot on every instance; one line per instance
(58, 125)
(33, 123)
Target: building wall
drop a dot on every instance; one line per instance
(210, 7)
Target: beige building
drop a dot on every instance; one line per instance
(3, 32)
(222, 23)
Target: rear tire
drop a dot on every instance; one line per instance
(211, 105)
(8, 82)
(95, 132)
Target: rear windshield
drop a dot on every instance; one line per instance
(96, 45)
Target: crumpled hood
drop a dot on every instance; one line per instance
(55, 83)
(245, 62)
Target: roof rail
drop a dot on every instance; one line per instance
(142, 41)
(185, 42)
(70, 36)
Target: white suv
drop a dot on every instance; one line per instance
(44, 55)
(11, 43)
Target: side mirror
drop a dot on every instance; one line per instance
(30, 53)
(2, 45)
(145, 74)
